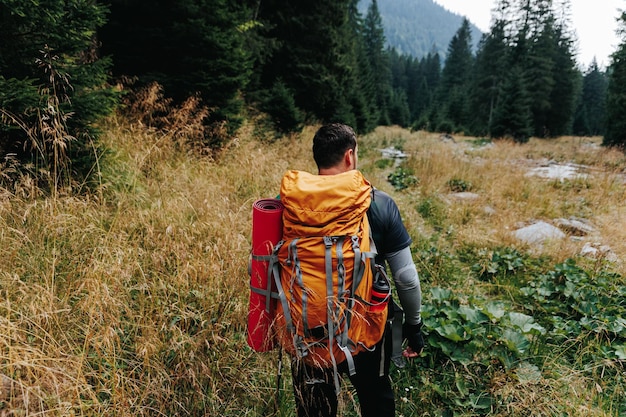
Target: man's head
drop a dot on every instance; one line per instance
(335, 149)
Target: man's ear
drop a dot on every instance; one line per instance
(349, 159)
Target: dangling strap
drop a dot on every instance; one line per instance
(396, 334)
(381, 369)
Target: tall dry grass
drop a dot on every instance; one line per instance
(507, 196)
(132, 299)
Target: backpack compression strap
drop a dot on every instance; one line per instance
(267, 292)
(331, 311)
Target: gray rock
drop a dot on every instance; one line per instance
(539, 233)
(598, 251)
(559, 172)
(393, 153)
(576, 227)
(446, 137)
(463, 196)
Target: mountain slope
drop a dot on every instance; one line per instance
(417, 27)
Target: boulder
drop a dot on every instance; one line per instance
(393, 153)
(539, 233)
(598, 251)
(576, 227)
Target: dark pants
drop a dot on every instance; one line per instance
(314, 388)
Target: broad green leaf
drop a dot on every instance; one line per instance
(452, 332)
(526, 323)
(440, 294)
(618, 326)
(472, 315)
(495, 310)
(453, 351)
(515, 341)
(461, 355)
(461, 384)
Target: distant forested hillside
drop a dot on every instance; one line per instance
(417, 27)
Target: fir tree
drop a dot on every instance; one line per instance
(455, 78)
(361, 90)
(590, 113)
(188, 46)
(616, 94)
(374, 35)
(566, 76)
(539, 66)
(512, 116)
(52, 82)
(491, 67)
(312, 59)
(428, 87)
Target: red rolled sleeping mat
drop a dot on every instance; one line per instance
(267, 230)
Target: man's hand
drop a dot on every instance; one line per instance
(413, 334)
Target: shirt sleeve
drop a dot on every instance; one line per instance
(406, 278)
(388, 230)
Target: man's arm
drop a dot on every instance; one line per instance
(407, 282)
(409, 290)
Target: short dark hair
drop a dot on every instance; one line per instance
(331, 142)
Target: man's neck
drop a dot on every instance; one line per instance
(332, 171)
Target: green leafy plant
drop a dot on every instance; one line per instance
(484, 337)
(433, 210)
(480, 141)
(477, 331)
(383, 163)
(402, 178)
(499, 262)
(571, 299)
(459, 185)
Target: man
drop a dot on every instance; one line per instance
(335, 152)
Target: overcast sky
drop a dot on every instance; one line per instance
(593, 20)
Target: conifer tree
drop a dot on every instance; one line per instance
(512, 117)
(374, 35)
(428, 87)
(455, 78)
(566, 87)
(312, 59)
(490, 69)
(188, 46)
(52, 81)
(590, 112)
(362, 92)
(539, 63)
(615, 134)
(414, 81)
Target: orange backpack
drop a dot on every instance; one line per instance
(324, 270)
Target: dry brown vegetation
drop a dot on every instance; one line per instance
(508, 197)
(131, 299)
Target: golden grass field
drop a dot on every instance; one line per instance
(131, 299)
